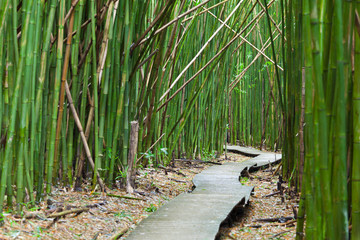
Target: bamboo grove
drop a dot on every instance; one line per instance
(75, 74)
(275, 74)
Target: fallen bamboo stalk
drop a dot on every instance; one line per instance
(119, 233)
(83, 138)
(64, 213)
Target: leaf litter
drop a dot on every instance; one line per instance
(94, 215)
(271, 212)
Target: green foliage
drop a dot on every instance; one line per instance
(249, 55)
(123, 214)
(162, 153)
(122, 174)
(207, 156)
(244, 180)
(152, 208)
(166, 198)
(150, 157)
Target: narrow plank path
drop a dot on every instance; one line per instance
(198, 215)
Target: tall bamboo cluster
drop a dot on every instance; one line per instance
(74, 74)
(277, 74)
(305, 100)
(322, 115)
(256, 89)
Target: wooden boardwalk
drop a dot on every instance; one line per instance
(198, 215)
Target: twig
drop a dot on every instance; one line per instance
(254, 226)
(271, 194)
(95, 205)
(176, 180)
(118, 196)
(278, 219)
(197, 160)
(285, 223)
(276, 235)
(31, 215)
(172, 170)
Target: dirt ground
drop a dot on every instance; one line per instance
(94, 215)
(270, 213)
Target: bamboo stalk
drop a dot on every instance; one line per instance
(63, 79)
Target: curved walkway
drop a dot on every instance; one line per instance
(198, 215)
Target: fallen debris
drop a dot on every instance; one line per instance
(108, 213)
(277, 219)
(271, 194)
(265, 204)
(119, 196)
(67, 212)
(281, 233)
(118, 234)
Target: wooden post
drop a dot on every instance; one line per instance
(130, 177)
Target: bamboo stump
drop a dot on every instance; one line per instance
(130, 177)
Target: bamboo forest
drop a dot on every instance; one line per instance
(95, 92)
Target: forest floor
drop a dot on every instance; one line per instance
(94, 215)
(270, 213)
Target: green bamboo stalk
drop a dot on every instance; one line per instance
(2, 67)
(95, 90)
(124, 79)
(355, 184)
(62, 86)
(3, 14)
(104, 59)
(340, 196)
(15, 100)
(75, 86)
(33, 139)
(309, 155)
(57, 82)
(14, 30)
